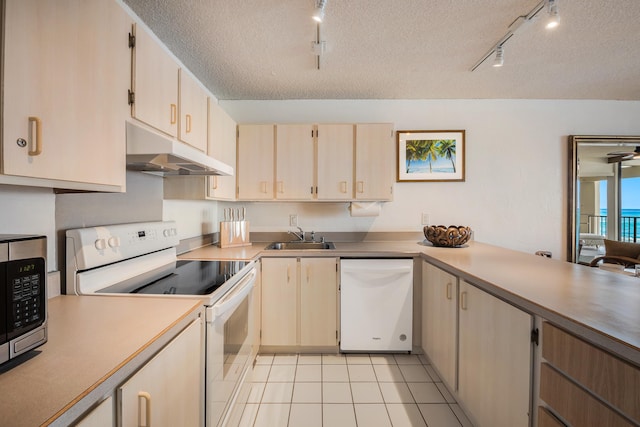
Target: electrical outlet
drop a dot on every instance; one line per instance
(425, 218)
(293, 220)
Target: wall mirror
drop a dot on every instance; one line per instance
(604, 194)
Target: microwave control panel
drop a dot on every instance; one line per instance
(26, 296)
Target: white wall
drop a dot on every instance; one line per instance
(515, 190)
(26, 210)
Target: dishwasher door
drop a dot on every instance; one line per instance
(376, 305)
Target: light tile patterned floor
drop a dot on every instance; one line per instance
(354, 390)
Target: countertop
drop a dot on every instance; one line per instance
(601, 306)
(94, 344)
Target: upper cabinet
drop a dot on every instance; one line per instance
(335, 162)
(154, 84)
(294, 162)
(193, 112)
(222, 146)
(316, 162)
(375, 162)
(255, 171)
(65, 79)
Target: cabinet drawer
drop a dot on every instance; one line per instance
(574, 404)
(614, 380)
(545, 419)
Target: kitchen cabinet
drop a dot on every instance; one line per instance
(294, 162)
(193, 112)
(299, 302)
(318, 301)
(100, 416)
(279, 302)
(440, 321)
(255, 162)
(584, 384)
(221, 146)
(65, 79)
(154, 84)
(169, 389)
(375, 162)
(334, 161)
(494, 371)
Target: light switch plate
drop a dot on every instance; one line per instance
(293, 220)
(425, 218)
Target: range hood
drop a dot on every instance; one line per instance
(148, 151)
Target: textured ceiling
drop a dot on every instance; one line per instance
(402, 49)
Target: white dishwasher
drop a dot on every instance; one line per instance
(376, 305)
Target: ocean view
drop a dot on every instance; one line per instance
(630, 222)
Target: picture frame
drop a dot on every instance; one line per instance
(430, 155)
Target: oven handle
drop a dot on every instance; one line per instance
(232, 300)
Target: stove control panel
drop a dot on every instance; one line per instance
(96, 246)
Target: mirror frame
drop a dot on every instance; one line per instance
(572, 196)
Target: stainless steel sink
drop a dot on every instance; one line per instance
(301, 245)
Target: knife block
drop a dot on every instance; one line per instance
(234, 233)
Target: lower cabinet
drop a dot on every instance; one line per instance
(168, 390)
(440, 321)
(494, 360)
(585, 385)
(299, 302)
(100, 416)
(491, 375)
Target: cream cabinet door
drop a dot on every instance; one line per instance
(335, 162)
(193, 112)
(255, 162)
(294, 162)
(440, 320)
(168, 390)
(494, 359)
(318, 301)
(66, 74)
(279, 301)
(222, 146)
(375, 162)
(155, 84)
(100, 416)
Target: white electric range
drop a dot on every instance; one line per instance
(140, 259)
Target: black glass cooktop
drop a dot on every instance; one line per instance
(187, 278)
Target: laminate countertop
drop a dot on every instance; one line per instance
(94, 344)
(600, 306)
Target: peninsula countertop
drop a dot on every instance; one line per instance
(599, 305)
(94, 344)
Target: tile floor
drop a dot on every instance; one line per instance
(348, 390)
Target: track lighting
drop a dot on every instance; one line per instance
(554, 20)
(318, 14)
(499, 59)
(554, 16)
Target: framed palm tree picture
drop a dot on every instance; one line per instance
(430, 155)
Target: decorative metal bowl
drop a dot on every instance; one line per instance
(451, 236)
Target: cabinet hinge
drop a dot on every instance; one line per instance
(132, 41)
(131, 98)
(535, 336)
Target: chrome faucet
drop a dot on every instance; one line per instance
(300, 235)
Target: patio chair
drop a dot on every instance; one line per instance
(624, 253)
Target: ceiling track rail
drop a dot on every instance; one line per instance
(513, 27)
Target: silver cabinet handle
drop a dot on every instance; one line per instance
(463, 300)
(449, 288)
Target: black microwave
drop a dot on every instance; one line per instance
(23, 294)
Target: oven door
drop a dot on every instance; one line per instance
(229, 340)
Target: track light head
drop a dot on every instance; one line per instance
(499, 59)
(318, 13)
(554, 17)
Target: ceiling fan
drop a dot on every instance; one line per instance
(620, 156)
